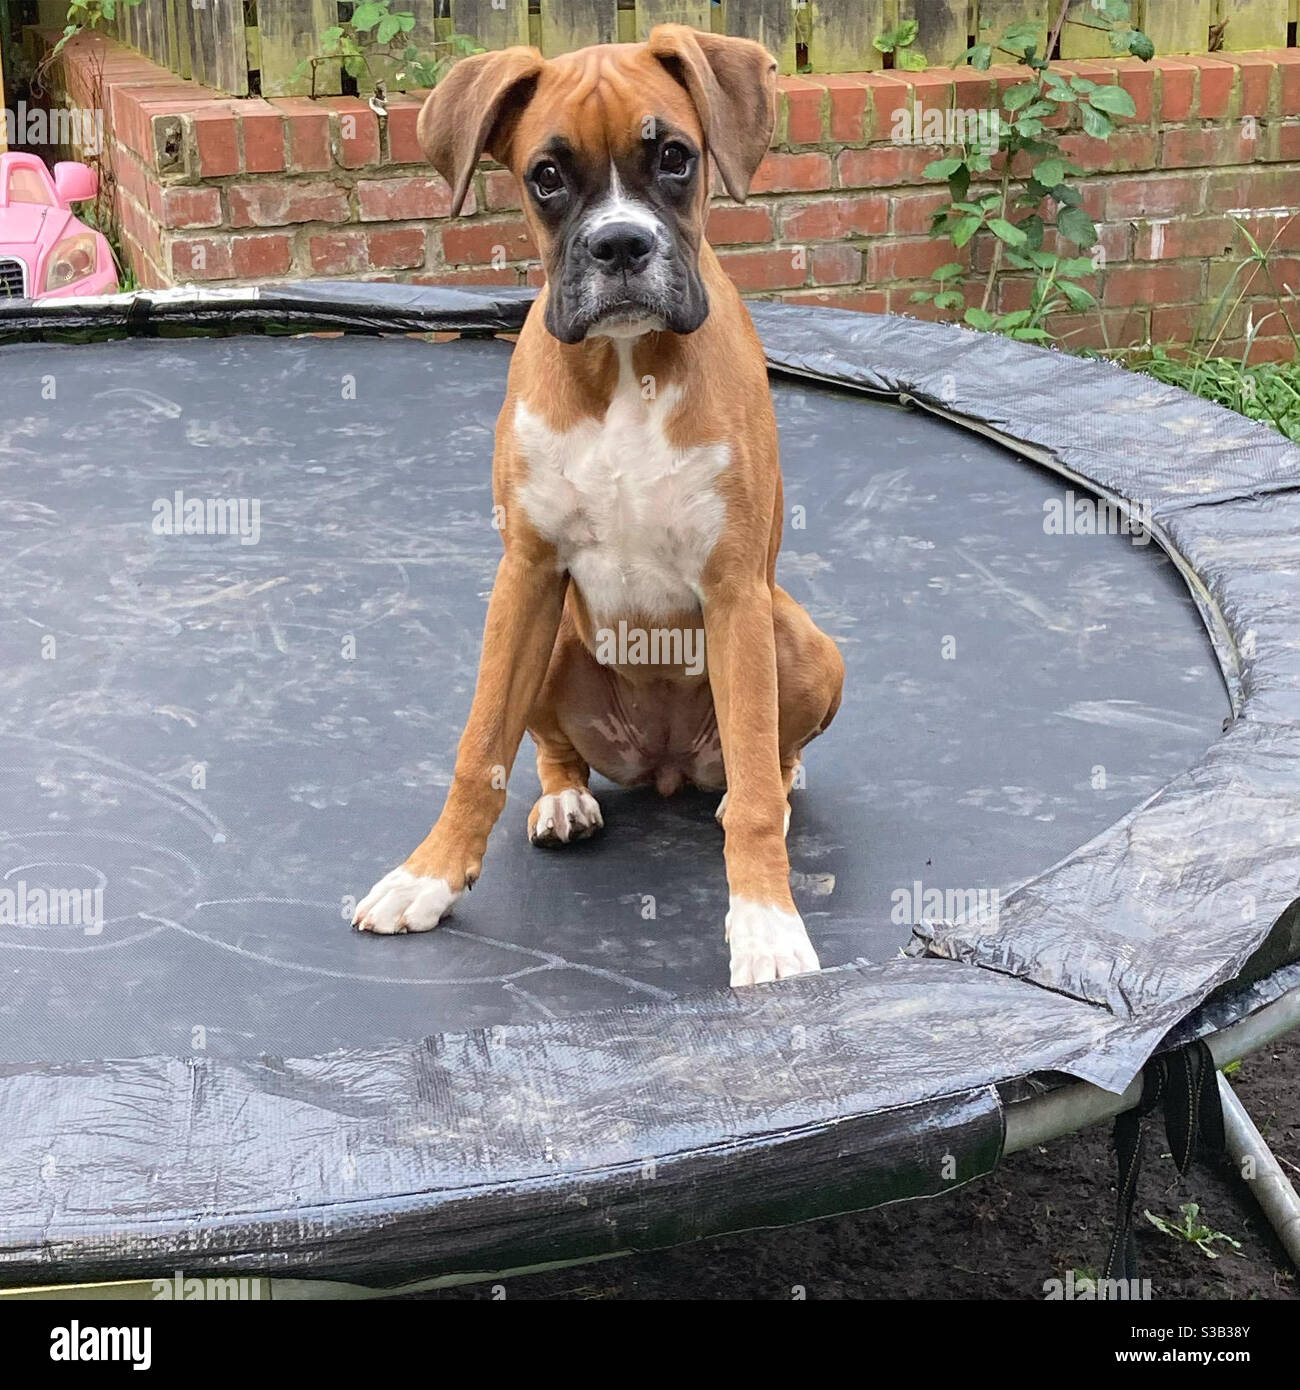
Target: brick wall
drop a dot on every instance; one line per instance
(214, 189)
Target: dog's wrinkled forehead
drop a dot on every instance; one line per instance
(603, 106)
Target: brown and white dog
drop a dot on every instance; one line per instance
(636, 481)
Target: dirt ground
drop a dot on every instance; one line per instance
(1042, 1213)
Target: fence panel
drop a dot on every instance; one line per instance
(494, 23)
(696, 13)
(994, 17)
(290, 33)
(1179, 26)
(1080, 40)
(570, 24)
(219, 53)
(840, 34)
(771, 22)
(1253, 23)
(943, 35)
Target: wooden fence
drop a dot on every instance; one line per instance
(220, 42)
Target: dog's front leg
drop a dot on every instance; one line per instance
(522, 619)
(766, 934)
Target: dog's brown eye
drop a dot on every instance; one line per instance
(548, 179)
(675, 159)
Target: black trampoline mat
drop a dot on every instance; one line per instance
(233, 741)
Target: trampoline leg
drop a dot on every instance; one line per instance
(1256, 1163)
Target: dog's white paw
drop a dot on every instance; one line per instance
(559, 819)
(404, 902)
(767, 943)
(722, 811)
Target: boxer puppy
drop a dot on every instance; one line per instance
(635, 625)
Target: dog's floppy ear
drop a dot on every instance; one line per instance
(467, 112)
(733, 85)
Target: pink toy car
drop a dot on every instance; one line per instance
(46, 252)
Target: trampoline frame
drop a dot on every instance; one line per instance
(814, 1096)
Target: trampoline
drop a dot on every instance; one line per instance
(1054, 829)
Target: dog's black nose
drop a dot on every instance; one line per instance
(621, 246)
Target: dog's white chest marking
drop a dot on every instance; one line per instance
(632, 518)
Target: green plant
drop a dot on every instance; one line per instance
(1192, 1231)
(1034, 193)
(91, 14)
(899, 42)
(375, 41)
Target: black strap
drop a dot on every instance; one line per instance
(1182, 1085)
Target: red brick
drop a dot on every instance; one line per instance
(214, 138)
(1196, 147)
(1177, 195)
(832, 218)
(884, 166)
(263, 133)
(764, 270)
(728, 226)
(1127, 149)
(1177, 88)
(479, 243)
(1185, 237)
(1260, 350)
(848, 101)
(836, 265)
(403, 147)
(357, 132)
(396, 248)
(1217, 82)
(275, 203)
(402, 200)
(1153, 284)
(1139, 81)
(1256, 82)
(1288, 62)
(1277, 232)
(909, 258)
(864, 301)
(500, 191)
(215, 253)
(180, 207)
(308, 128)
(932, 88)
(886, 94)
(1236, 189)
(792, 173)
(1122, 328)
(803, 101)
(257, 256)
(338, 253)
(1279, 141)
(912, 212)
(481, 275)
